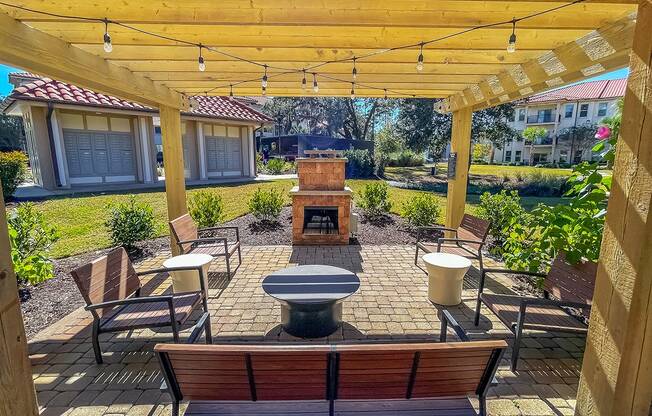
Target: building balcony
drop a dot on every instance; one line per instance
(546, 141)
(536, 119)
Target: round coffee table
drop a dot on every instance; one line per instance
(188, 280)
(311, 298)
(445, 277)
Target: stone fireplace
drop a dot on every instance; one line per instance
(321, 204)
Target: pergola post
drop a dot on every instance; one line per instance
(461, 145)
(175, 186)
(16, 387)
(617, 369)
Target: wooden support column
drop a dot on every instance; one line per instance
(460, 144)
(175, 185)
(617, 368)
(17, 395)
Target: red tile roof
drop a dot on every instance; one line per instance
(45, 89)
(592, 90)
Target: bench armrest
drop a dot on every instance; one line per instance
(203, 240)
(446, 320)
(459, 240)
(223, 227)
(129, 301)
(168, 269)
(553, 302)
(504, 271)
(424, 228)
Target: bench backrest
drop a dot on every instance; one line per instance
(571, 282)
(329, 372)
(184, 228)
(107, 278)
(473, 228)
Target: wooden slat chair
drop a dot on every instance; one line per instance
(343, 379)
(565, 286)
(469, 239)
(187, 236)
(111, 288)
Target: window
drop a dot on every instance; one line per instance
(512, 117)
(568, 110)
(584, 110)
(521, 114)
(602, 109)
(508, 156)
(517, 156)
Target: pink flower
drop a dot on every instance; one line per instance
(603, 133)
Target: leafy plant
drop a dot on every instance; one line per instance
(30, 238)
(275, 166)
(206, 208)
(421, 210)
(502, 210)
(13, 168)
(374, 199)
(266, 205)
(360, 163)
(533, 133)
(130, 222)
(406, 158)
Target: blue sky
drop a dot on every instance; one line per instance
(5, 86)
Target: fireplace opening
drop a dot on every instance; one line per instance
(320, 220)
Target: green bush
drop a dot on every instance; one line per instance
(502, 210)
(266, 205)
(421, 210)
(130, 222)
(406, 158)
(276, 166)
(206, 208)
(374, 199)
(539, 184)
(360, 163)
(31, 238)
(13, 168)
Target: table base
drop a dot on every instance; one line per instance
(311, 321)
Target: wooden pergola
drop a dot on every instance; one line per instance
(154, 61)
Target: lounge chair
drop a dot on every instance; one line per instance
(111, 288)
(469, 239)
(565, 286)
(187, 235)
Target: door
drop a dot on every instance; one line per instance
(99, 155)
(233, 154)
(215, 158)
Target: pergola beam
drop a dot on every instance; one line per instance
(605, 49)
(35, 51)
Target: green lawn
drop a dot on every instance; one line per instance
(80, 219)
(412, 173)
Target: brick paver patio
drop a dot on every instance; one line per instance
(391, 304)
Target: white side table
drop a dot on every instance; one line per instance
(188, 280)
(445, 277)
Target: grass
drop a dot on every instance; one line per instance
(80, 219)
(412, 173)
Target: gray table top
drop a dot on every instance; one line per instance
(311, 284)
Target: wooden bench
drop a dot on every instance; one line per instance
(342, 379)
(188, 238)
(469, 238)
(111, 288)
(565, 286)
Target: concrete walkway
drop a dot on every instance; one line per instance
(390, 304)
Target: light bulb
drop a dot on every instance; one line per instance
(511, 46)
(354, 72)
(108, 47)
(352, 90)
(230, 92)
(315, 87)
(420, 59)
(264, 91)
(264, 81)
(202, 65)
(304, 83)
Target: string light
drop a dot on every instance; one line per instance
(385, 93)
(108, 47)
(231, 91)
(420, 59)
(264, 81)
(315, 87)
(304, 83)
(354, 72)
(353, 90)
(511, 45)
(202, 65)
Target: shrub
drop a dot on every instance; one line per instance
(130, 222)
(31, 238)
(502, 209)
(374, 199)
(406, 158)
(360, 163)
(266, 205)
(540, 184)
(206, 208)
(13, 168)
(421, 210)
(276, 166)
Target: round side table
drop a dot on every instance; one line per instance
(188, 280)
(445, 277)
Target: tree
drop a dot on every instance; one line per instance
(577, 138)
(481, 151)
(12, 135)
(534, 133)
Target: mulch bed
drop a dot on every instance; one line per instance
(48, 302)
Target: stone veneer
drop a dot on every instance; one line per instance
(321, 184)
